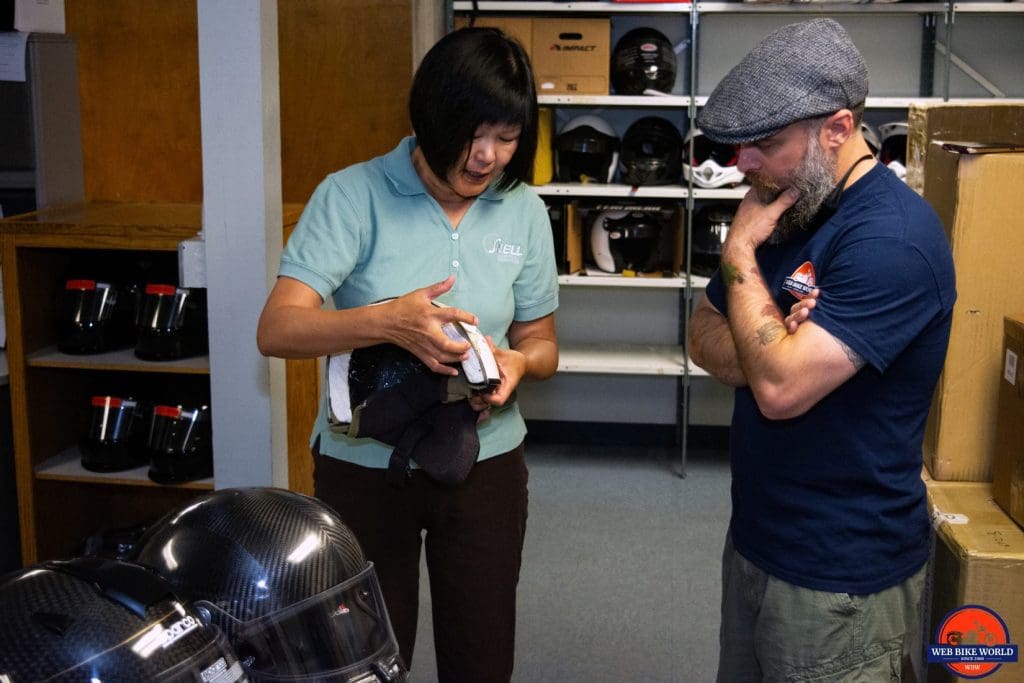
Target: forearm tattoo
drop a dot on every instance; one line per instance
(769, 332)
(731, 274)
(854, 357)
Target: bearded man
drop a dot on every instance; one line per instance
(830, 315)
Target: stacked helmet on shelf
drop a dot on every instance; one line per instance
(707, 235)
(286, 581)
(124, 432)
(97, 619)
(710, 164)
(95, 316)
(586, 150)
(894, 147)
(651, 152)
(171, 322)
(643, 60)
(871, 137)
(628, 241)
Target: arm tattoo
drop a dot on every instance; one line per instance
(731, 274)
(854, 357)
(769, 332)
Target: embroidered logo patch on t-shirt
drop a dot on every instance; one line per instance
(801, 282)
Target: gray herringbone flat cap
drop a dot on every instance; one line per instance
(797, 72)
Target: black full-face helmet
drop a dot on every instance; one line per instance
(710, 228)
(652, 151)
(586, 150)
(101, 620)
(285, 579)
(643, 59)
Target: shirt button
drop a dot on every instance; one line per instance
(455, 235)
(455, 263)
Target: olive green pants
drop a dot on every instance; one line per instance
(774, 631)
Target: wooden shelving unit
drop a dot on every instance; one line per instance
(61, 503)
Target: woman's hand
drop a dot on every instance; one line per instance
(415, 324)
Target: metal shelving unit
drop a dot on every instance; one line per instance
(671, 360)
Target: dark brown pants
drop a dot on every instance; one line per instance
(474, 544)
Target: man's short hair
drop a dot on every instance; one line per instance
(799, 71)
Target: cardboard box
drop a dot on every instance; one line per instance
(1008, 468)
(982, 122)
(978, 560)
(978, 199)
(666, 258)
(571, 56)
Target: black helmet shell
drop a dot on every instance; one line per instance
(651, 153)
(643, 59)
(283, 576)
(104, 619)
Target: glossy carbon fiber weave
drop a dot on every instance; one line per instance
(55, 626)
(252, 551)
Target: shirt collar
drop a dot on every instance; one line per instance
(402, 174)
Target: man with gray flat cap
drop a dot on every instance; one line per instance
(830, 315)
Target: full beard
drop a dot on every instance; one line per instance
(814, 178)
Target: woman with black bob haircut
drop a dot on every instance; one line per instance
(471, 77)
(447, 216)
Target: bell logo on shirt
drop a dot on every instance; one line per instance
(502, 250)
(801, 282)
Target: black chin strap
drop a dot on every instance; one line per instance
(831, 203)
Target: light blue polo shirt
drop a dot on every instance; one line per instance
(371, 231)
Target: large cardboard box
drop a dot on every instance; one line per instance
(571, 56)
(981, 122)
(979, 199)
(1008, 468)
(978, 560)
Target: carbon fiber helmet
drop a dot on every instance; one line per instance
(586, 150)
(643, 59)
(284, 578)
(710, 228)
(712, 164)
(652, 151)
(93, 619)
(894, 147)
(625, 241)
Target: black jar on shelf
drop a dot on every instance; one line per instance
(116, 439)
(180, 444)
(171, 323)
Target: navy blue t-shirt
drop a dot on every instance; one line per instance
(833, 500)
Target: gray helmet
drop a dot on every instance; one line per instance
(285, 579)
(103, 619)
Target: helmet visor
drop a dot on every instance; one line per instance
(331, 635)
(90, 301)
(163, 307)
(721, 154)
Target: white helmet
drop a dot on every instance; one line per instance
(894, 147)
(625, 240)
(713, 164)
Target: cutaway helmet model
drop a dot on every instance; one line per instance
(103, 620)
(711, 164)
(623, 241)
(586, 150)
(285, 579)
(643, 59)
(894, 147)
(651, 152)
